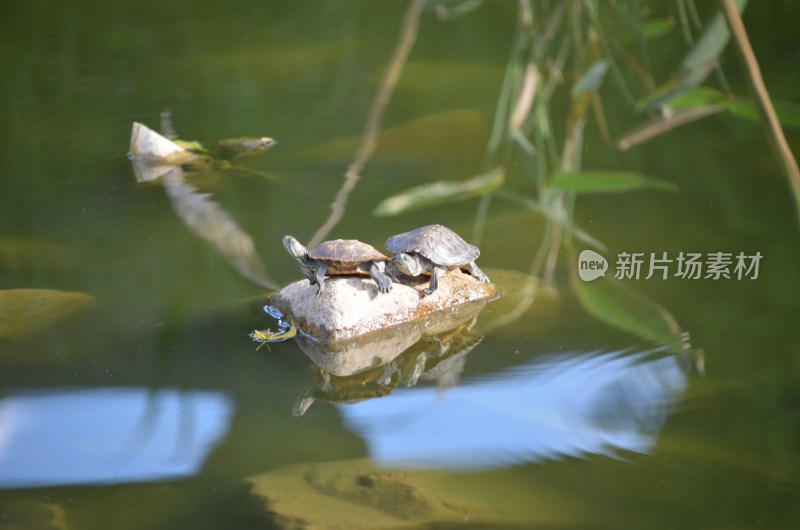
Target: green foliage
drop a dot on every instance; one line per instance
(441, 192)
(788, 112)
(698, 63)
(607, 182)
(592, 78)
(570, 49)
(622, 307)
(657, 27)
(710, 45)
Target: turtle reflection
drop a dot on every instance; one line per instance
(447, 356)
(375, 383)
(432, 348)
(439, 357)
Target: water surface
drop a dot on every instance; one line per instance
(142, 403)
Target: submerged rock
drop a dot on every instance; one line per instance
(351, 496)
(357, 495)
(24, 515)
(25, 311)
(350, 307)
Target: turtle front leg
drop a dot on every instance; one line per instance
(476, 272)
(378, 272)
(436, 273)
(319, 277)
(310, 274)
(309, 266)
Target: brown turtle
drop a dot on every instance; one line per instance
(434, 250)
(337, 257)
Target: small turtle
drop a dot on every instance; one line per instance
(433, 250)
(340, 256)
(227, 149)
(238, 148)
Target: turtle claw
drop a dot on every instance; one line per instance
(436, 274)
(384, 284)
(477, 273)
(428, 291)
(384, 281)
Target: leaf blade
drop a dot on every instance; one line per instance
(607, 182)
(440, 192)
(614, 303)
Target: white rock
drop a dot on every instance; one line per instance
(350, 307)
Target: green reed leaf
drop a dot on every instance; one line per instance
(441, 192)
(788, 112)
(607, 182)
(618, 305)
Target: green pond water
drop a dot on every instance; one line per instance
(132, 397)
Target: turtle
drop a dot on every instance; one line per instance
(227, 149)
(338, 257)
(238, 148)
(434, 250)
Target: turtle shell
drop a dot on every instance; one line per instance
(354, 388)
(437, 243)
(355, 393)
(345, 255)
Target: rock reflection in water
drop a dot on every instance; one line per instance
(353, 371)
(562, 405)
(107, 435)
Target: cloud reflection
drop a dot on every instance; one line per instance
(561, 405)
(107, 435)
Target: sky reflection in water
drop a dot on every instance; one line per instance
(560, 405)
(107, 435)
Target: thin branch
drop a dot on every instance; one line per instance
(408, 35)
(765, 108)
(661, 125)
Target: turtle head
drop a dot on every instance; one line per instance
(257, 145)
(407, 264)
(294, 247)
(235, 148)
